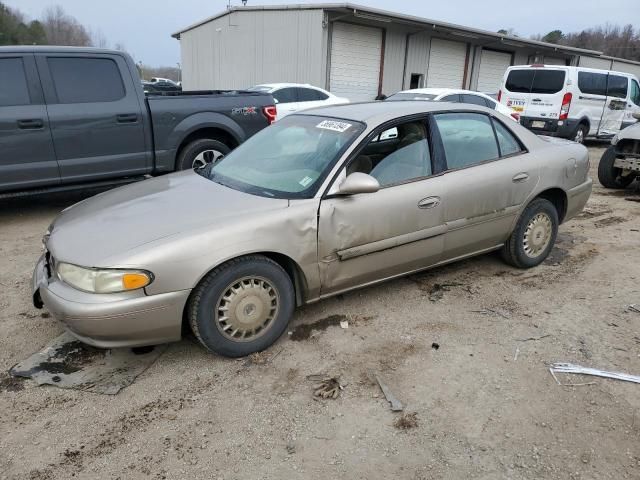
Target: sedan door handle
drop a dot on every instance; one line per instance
(127, 118)
(521, 177)
(31, 124)
(429, 202)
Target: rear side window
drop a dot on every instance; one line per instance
(520, 81)
(286, 95)
(617, 86)
(473, 99)
(548, 81)
(310, 95)
(508, 143)
(592, 83)
(86, 80)
(451, 98)
(468, 139)
(13, 83)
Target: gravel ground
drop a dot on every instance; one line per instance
(465, 347)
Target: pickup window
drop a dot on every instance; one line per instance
(13, 83)
(86, 80)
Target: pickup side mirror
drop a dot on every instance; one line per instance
(636, 115)
(358, 182)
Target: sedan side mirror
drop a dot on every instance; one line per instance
(636, 115)
(358, 182)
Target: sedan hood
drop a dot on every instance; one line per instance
(116, 221)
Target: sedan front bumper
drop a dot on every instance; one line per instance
(128, 319)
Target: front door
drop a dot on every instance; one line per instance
(400, 228)
(95, 114)
(27, 158)
(615, 106)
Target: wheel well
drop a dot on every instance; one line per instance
(628, 146)
(212, 133)
(558, 198)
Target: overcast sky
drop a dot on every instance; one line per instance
(145, 26)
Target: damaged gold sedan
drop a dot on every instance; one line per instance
(321, 202)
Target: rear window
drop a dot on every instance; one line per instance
(617, 86)
(86, 80)
(592, 83)
(535, 81)
(310, 95)
(13, 83)
(410, 96)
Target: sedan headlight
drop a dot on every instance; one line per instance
(95, 280)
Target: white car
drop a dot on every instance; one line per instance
(455, 96)
(571, 102)
(293, 97)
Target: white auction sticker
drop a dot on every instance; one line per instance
(305, 181)
(335, 126)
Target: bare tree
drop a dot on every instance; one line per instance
(63, 29)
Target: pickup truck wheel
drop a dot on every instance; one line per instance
(534, 235)
(200, 152)
(608, 175)
(242, 307)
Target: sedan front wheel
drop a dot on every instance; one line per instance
(242, 307)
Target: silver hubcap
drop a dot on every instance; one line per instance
(246, 309)
(537, 235)
(580, 136)
(206, 157)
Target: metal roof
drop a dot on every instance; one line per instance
(386, 16)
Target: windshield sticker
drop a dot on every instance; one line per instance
(306, 181)
(335, 126)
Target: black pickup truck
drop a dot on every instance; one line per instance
(71, 116)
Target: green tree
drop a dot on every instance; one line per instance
(554, 36)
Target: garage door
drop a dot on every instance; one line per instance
(446, 64)
(632, 68)
(554, 61)
(492, 67)
(592, 62)
(355, 61)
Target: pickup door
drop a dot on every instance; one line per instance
(96, 116)
(26, 152)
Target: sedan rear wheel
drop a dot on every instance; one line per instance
(242, 307)
(534, 235)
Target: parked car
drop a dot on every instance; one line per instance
(571, 102)
(452, 95)
(162, 80)
(293, 97)
(71, 116)
(620, 163)
(311, 207)
(159, 87)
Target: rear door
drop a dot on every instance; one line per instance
(592, 97)
(535, 92)
(615, 105)
(27, 158)
(95, 114)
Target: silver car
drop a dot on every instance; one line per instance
(320, 203)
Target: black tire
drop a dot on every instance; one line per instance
(608, 175)
(203, 307)
(191, 151)
(514, 251)
(581, 133)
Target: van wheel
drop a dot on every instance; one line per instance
(610, 176)
(581, 133)
(534, 235)
(242, 307)
(201, 152)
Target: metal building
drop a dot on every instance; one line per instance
(358, 52)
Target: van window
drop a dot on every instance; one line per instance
(548, 81)
(13, 83)
(86, 80)
(520, 81)
(617, 86)
(592, 83)
(635, 92)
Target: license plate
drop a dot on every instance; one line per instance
(538, 124)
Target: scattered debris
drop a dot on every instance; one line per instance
(344, 324)
(435, 346)
(609, 221)
(11, 384)
(629, 199)
(406, 421)
(571, 368)
(634, 308)
(396, 405)
(291, 448)
(515, 357)
(532, 339)
(488, 311)
(329, 387)
(67, 363)
(436, 292)
(305, 331)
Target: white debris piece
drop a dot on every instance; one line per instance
(571, 368)
(344, 323)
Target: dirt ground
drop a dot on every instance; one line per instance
(466, 348)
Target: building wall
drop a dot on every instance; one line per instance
(246, 48)
(394, 53)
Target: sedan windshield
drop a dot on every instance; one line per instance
(410, 96)
(289, 159)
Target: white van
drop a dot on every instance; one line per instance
(571, 102)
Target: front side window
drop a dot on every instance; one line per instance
(617, 86)
(592, 83)
(403, 157)
(310, 95)
(289, 159)
(286, 95)
(13, 83)
(86, 80)
(468, 139)
(635, 92)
